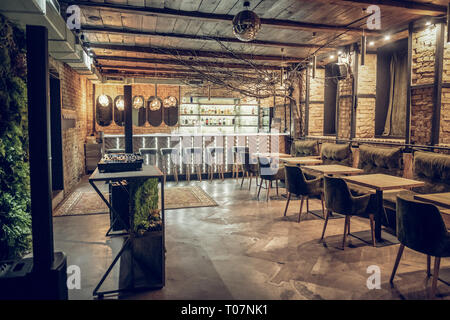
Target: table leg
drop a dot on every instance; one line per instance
(380, 212)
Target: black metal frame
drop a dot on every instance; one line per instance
(130, 233)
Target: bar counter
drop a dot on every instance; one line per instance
(256, 142)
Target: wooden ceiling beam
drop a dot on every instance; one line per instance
(191, 53)
(276, 44)
(419, 8)
(157, 69)
(166, 12)
(197, 64)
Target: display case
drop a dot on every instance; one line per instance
(264, 120)
(218, 115)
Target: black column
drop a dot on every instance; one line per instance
(128, 119)
(39, 135)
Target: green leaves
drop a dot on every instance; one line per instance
(15, 220)
(144, 199)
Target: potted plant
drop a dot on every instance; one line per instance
(142, 263)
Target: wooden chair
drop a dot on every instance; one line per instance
(249, 169)
(268, 173)
(215, 157)
(193, 159)
(238, 159)
(168, 156)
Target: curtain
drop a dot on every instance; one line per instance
(395, 117)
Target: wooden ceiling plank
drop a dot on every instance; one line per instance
(154, 3)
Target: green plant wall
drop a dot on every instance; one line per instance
(144, 200)
(15, 219)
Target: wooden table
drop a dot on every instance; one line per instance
(439, 199)
(301, 161)
(333, 169)
(382, 182)
(272, 155)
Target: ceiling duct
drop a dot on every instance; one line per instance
(63, 45)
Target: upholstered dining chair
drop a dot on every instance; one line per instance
(297, 184)
(268, 172)
(339, 199)
(420, 227)
(250, 169)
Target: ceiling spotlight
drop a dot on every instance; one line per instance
(371, 43)
(266, 78)
(332, 56)
(428, 23)
(387, 37)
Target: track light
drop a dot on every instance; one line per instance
(387, 37)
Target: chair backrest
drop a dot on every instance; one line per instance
(266, 169)
(301, 148)
(420, 226)
(152, 151)
(196, 152)
(381, 160)
(214, 154)
(337, 154)
(337, 195)
(295, 180)
(433, 169)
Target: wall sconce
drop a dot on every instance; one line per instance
(103, 100)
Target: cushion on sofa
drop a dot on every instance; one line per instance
(302, 148)
(381, 160)
(337, 154)
(434, 170)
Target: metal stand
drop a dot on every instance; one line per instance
(109, 177)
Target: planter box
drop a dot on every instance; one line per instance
(142, 264)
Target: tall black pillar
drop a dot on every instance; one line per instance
(39, 146)
(127, 94)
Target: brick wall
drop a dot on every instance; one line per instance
(316, 105)
(365, 111)
(345, 107)
(444, 133)
(74, 106)
(423, 53)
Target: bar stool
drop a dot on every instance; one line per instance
(167, 159)
(215, 159)
(149, 155)
(196, 152)
(115, 151)
(239, 160)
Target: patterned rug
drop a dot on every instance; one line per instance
(82, 203)
(187, 197)
(88, 203)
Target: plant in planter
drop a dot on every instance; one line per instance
(142, 264)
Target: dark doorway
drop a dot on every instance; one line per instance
(329, 111)
(56, 134)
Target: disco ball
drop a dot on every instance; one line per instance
(246, 25)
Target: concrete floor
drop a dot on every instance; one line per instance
(246, 249)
